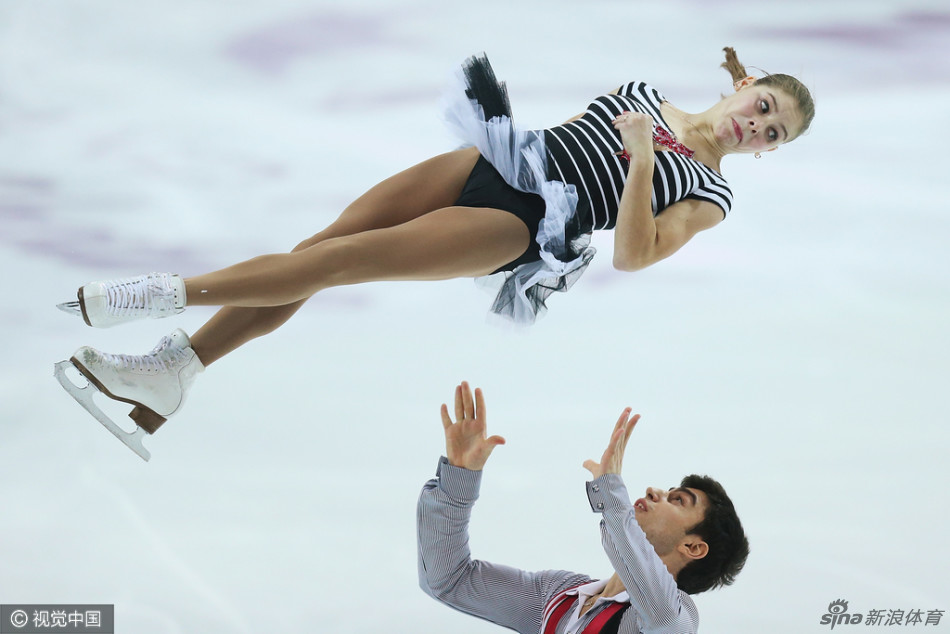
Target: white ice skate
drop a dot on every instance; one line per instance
(155, 383)
(105, 304)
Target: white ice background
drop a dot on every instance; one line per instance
(798, 352)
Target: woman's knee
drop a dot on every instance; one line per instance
(311, 241)
(337, 229)
(309, 269)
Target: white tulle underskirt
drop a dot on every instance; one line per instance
(521, 159)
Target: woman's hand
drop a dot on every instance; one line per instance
(466, 445)
(612, 460)
(636, 133)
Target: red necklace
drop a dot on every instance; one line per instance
(664, 138)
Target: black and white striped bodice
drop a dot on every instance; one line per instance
(583, 153)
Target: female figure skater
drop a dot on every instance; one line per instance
(520, 203)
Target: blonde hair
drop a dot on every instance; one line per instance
(786, 83)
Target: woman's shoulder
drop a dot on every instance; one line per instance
(641, 91)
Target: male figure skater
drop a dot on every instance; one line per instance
(663, 547)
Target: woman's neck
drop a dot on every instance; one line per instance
(695, 131)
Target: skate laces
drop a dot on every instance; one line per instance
(152, 294)
(162, 358)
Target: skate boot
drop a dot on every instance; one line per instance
(155, 383)
(105, 304)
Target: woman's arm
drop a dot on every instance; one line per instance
(640, 239)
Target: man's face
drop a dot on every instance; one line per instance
(665, 516)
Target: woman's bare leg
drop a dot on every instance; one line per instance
(430, 185)
(232, 327)
(443, 244)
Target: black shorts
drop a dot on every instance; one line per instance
(486, 188)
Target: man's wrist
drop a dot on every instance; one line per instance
(606, 491)
(458, 483)
(459, 464)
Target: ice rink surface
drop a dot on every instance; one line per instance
(798, 352)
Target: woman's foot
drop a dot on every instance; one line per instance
(105, 304)
(156, 383)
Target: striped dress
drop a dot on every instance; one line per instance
(526, 601)
(575, 169)
(583, 153)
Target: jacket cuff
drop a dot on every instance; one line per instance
(462, 485)
(607, 492)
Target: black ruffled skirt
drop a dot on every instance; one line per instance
(478, 111)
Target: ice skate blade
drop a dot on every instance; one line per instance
(83, 396)
(71, 308)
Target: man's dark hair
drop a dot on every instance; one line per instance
(722, 531)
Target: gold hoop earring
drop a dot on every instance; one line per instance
(758, 155)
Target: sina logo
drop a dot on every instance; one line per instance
(838, 615)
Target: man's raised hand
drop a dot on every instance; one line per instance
(612, 460)
(466, 444)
